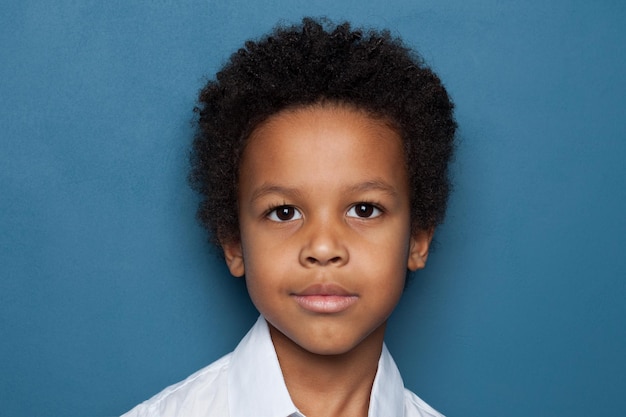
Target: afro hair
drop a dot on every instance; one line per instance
(318, 62)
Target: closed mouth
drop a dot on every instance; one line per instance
(328, 289)
(325, 298)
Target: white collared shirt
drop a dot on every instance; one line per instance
(249, 383)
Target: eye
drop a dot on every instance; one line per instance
(364, 211)
(284, 214)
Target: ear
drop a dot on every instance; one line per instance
(234, 257)
(418, 249)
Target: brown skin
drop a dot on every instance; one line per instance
(325, 244)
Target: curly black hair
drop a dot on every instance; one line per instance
(318, 62)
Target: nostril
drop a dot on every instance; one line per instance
(314, 260)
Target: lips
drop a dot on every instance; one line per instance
(325, 299)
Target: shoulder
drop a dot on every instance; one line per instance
(194, 396)
(414, 406)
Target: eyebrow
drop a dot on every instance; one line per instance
(373, 185)
(266, 189)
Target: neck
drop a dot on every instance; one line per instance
(330, 385)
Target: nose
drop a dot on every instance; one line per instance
(324, 245)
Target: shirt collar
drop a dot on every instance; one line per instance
(387, 398)
(255, 382)
(256, 386)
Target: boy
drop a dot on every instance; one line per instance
(322, 156)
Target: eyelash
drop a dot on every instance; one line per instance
(377, 209)
(272, 213)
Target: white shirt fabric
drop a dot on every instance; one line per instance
(249, 383)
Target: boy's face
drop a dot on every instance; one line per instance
(325, 226)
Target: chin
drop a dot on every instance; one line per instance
(327, 348)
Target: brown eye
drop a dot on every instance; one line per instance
(284, 214)
(364, 211)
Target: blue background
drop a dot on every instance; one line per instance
(109, 290)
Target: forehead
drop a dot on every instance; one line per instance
(324, 144)
(330, 114)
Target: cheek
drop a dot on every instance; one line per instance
(389, 267)
(261, 273)
(388, 251)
